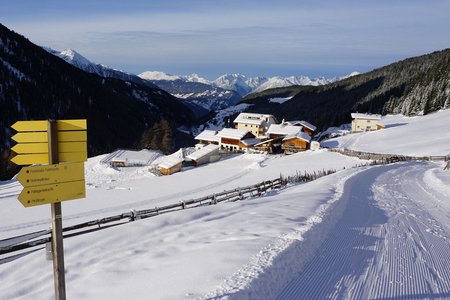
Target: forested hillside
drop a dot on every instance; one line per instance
(413, 86)
(35, 84)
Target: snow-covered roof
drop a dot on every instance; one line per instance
(231, 133)
(251, 141)
(293, 123)
(252, 118)
(170, 161)
(143, 157)
(203, 152)
(300, 135)
(308, 125)
(208, 135)
(366, 116)
(283, 129)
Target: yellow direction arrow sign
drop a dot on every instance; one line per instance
(42, 137)
(51, 193)
(30, 148)
(42, 158)
(61, 125)
(57, 173)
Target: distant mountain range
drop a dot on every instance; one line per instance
(242, 84)
(201, 94)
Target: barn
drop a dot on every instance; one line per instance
(207, 154)
(170, 165)
(296, 143)
(308, 128)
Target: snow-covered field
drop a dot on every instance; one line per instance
(416, 136)
(378, 232)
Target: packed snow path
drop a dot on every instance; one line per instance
(392, 242)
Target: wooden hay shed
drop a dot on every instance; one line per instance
(170, 165)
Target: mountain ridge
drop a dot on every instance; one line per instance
(36, 85)
(413, 86)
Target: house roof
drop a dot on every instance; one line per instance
(250, 141)
(252, 118)
(300, 135)
(231, 133)
(203, 152)
(293, 123)
(366, 116)
(208, 135)
(283, 129)
(142, 157)
(170, 161)
(308, 125)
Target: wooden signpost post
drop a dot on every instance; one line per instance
(51, 143)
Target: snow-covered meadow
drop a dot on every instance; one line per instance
(416, 136)
(368, 232)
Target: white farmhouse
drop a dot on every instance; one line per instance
(365, 122)
(258, 124)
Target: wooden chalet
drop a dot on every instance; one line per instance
(308, 128)
(296, 143)
(207, 137)
(207, 154)
(170, 165)
(277, 131)
(236, 140)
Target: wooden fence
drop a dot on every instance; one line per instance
(34, 239)
(387, 158)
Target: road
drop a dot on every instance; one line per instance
(392, 242)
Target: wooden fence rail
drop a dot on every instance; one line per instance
(387, 158)
(34, 239)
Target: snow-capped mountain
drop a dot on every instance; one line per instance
(240, 83)
(200, 93)
(79, 61)
(277, 81)
(236, 82)
(156, 75)
(195, 90)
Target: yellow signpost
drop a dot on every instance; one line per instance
(51, 193)
(31, 148)
(33, 141)
(56, 173)
(61, 125)
(41, 136)
(42, 158)
(50, 143)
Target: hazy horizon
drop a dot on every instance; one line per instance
(255, 38)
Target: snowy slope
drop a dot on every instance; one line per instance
(362, 233)
(421, 135)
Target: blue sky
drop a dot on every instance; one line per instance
(314, 38)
